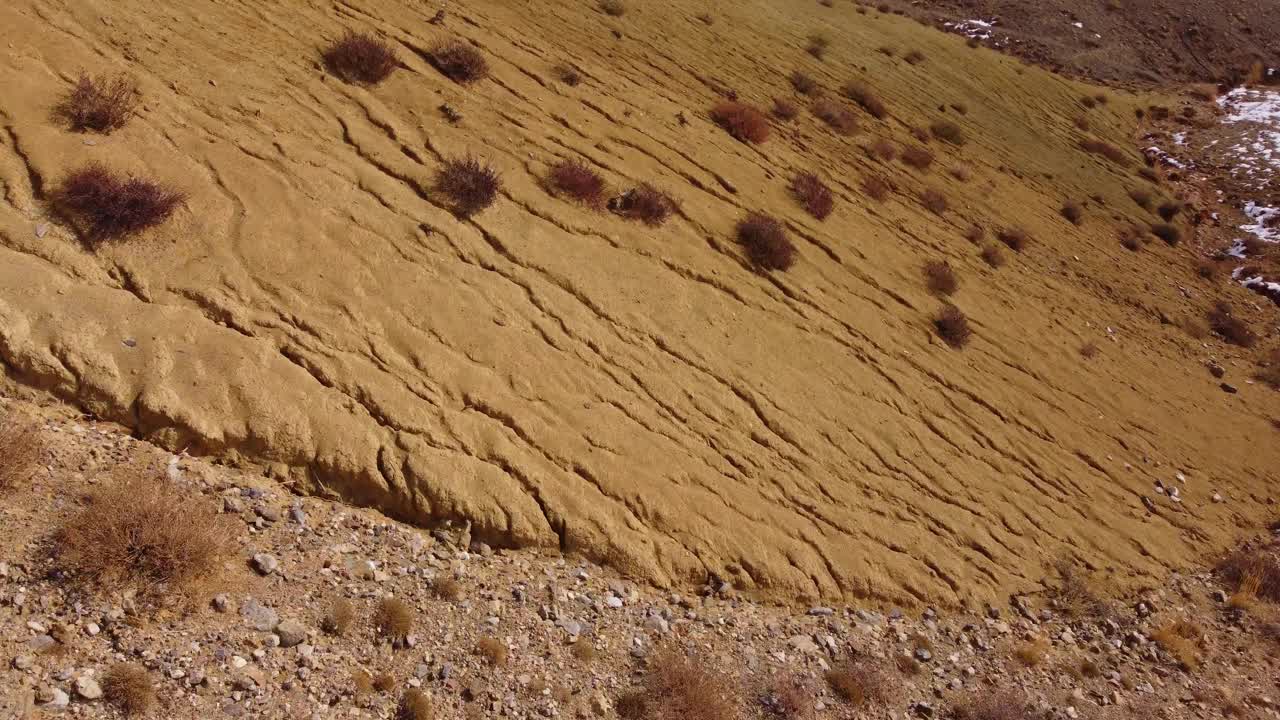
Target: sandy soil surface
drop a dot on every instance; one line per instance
(575, 638)
(564, 379)
(1149, 41)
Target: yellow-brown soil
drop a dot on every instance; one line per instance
(560, 377)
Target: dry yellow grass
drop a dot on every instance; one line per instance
(394, 618)
(339, 618)
(415, 705)
(679, 687)
(128, 688)
(493, 650)
(20, 449)
(1180, 640)
(1032, 652)
(139, 531)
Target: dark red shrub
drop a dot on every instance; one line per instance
(580, 182)
(766, 243)
(470, 184)
(934, 201)
(876, 188)
(803, 83)
(1073, 212)
(360, 58)
(1232, 329)
(813, 194)
(947, 131)
(952, 326)
(644, 203)
(1110, 152)
(940, 278)
(112, 206)
(993, 256)
(917, 157)
(460, 62)
(884, 150)
(102, 104)
(785, 110)
(743, 122)
(1016, 239)
(1171, 234)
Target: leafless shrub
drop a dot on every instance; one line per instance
(743, 122)
(1073, 212)
(580, 182)
(993, 256)
(917, 157)
(835, 115)
(1016, 239)
(1167, 232)
(613, 8)
(112, 206)
(952, 326)
(470, 184)
(934, 201)
(940, 278)
(876, 188)
(884, 150)
(414, 705)
(141, 532)
(644, 203)
(862, 93)
(1231, 328)
(360, 58)
(128, 688)
(339, 618)
(101, 104)
(803, 83)
(947, 131)
(858, 682)
(785, 110)
(677, 687)
(459, 61)
(21, 445)
(812, 194)
(766, 242)
(493, 651)
(1106, 150)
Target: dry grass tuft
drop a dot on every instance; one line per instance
(676, 687)
(1106, 150)
(613, 8)
(1142, 198)
(101, 104)
(785, 110)
(975, 233)
(644, 203)
(446, 588)
(952, 326)
(1231, 328)
(1016, 239)
(961, 173)
(866, 97)
(1255, 568)
(580, 182)
(818, 45)
(21, 445)
(112, 206)
(993, 256)
(1207, 92)
(744, 122)
(803, 83)
(1169, 210)
(940, 278)
(470, 184)
(141, 532)
(568, 75)
(934, 201)
(859, 682)
(914, 57)
(394, 619)
(128, 688)
(1031, 652)
(787, 698)
(414, 705)
(1180, 639)
(947, 131)
(384, 682)
(1073, 212)
(917, 157)
(583, 650)
(812, 194)
(459, 61)
(493, 650)
(835, 115)
(360, 58)
(877, 188)
(339, 618)
(766, 243)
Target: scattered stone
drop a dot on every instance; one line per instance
(265, 564)
(259, 616)
(87, 688)
(291, 633)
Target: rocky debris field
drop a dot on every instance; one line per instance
(293, 628)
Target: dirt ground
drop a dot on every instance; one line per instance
(1152, 42)
(567, 380)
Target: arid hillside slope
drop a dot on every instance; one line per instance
(642, 395)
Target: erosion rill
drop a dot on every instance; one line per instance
(649, 395)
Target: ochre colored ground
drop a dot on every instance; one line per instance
(565, 378)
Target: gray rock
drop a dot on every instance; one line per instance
(821, 611)
(923, 654)
(803, 644)
(265, 564)
(87, 688)
(259, 616)
(53, 697)
(657, 623)
(291, 632)
(24, 662)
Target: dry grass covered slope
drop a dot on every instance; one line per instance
(563, 377)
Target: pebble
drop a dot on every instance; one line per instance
(24, 662)
(259, 616)
(265, 564)
(291, 633)
(88, 688)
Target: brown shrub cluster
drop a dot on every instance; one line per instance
(992, 255)
(877, 188)
(765, 242)
(917, 157)
(1231, 328)
(744, 122)
(1016, 239)
(785, 110)
(787, 698)
(1167, 232)
(446, 588)
(613, 8)
(21, 445)
(339, 618)
(947, 131)
(1181, 640)
(859, 682)
(128, 688)
(1106, 150)
(394, 619)
(470, 184)
(812, 194)
(934, 201)
(414, 705)
(101, 104)
(677, 687)
(884, 150)
(952, 326)
(940, 278)
(862, 93)
(460, 62)
(580, 182)
(360, 58)
(112, 206)
(493, 650)
(644, 203)
(803, 83)
(1256, 567)
(1073, 212)
(141, 532)
(835, 115)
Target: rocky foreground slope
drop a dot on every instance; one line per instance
(565, 379)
